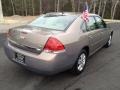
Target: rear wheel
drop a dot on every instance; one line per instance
(80, 63)
(108, 44)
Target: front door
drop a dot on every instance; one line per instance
(102, 27)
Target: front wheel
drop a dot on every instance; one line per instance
(80, 63)
(108, 44)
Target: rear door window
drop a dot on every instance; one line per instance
(91, 24)
(83, 26)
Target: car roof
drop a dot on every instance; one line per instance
(68, 13)
(63, 13)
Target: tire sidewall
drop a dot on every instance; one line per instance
(75, 67)
(110, 38)
(107, 44)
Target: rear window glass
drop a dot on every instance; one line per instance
(54, 22)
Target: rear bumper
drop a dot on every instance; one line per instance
(44, 63)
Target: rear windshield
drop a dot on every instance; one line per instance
(54, 22)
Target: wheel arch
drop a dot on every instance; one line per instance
(111, 33)
(86, 48)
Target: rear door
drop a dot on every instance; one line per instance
(94, 34)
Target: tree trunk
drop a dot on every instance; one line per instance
(79, 6)
(99, 10)
(73, 5)
(55, 6)
(13, 8)
(58, 5)
(94, 8)
(1, 13)
(40, 6)
(25, 7)
(22, 8)
(91, 6)
(33, 10)
(104, 9)
(112, 8)
(114, 11)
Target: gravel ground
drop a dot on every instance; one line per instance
(14, 21)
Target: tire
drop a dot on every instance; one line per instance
(109, 42)
(80, 63)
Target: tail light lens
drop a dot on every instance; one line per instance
(53, 45)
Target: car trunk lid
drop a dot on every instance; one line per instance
(30, 37)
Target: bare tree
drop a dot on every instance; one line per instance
(40, 6)
(13, 8)
(25, 4)
(79, 6)
(33, 10)
(94, 7)
(55, 6)
(91, 6)
(100, 4)
(104, 8)
(73, 5)
(58, 5)
(1, 13)
(22, 5)
(114, 10)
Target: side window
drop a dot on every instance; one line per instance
(83, 26)
(100, 23)
(91, 24)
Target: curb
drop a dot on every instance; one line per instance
(9, 21)
(112, 21)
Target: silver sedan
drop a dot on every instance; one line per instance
(56, 42)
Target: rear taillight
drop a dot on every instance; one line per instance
(53, 45)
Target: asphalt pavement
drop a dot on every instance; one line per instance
(101, 73)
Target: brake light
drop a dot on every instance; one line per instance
(53, 45)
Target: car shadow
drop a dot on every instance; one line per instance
(65, 79)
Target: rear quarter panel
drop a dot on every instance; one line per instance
(74, 40)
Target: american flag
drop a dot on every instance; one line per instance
(85, 13)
